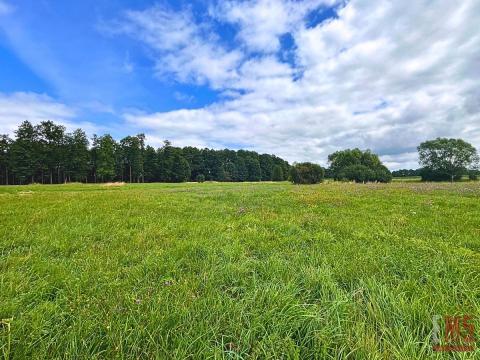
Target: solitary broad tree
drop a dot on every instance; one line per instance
(452, 157)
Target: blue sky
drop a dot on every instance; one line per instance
(296, 78)
(59, 49)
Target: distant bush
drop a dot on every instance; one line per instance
(200, 178)
(473, 174)
(306, 173)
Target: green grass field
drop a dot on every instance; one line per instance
(407, 179)
(217, 270)
(419, 179)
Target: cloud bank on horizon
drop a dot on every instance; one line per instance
(299, 79)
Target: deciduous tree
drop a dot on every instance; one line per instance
(451, 157)
(357, 165)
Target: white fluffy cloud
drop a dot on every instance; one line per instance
(18, 107)
(382, 75)
(187, 50)
(262, 22)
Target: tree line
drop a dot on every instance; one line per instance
(47, 153)
(441, 159)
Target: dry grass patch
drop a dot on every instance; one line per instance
(114, 184)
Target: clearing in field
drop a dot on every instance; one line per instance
(265, 270)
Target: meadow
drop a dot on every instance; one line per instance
(235, 270)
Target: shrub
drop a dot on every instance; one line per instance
(200, 178)
(473, 174)
(306, 173)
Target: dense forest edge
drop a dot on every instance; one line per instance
(47, 154)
